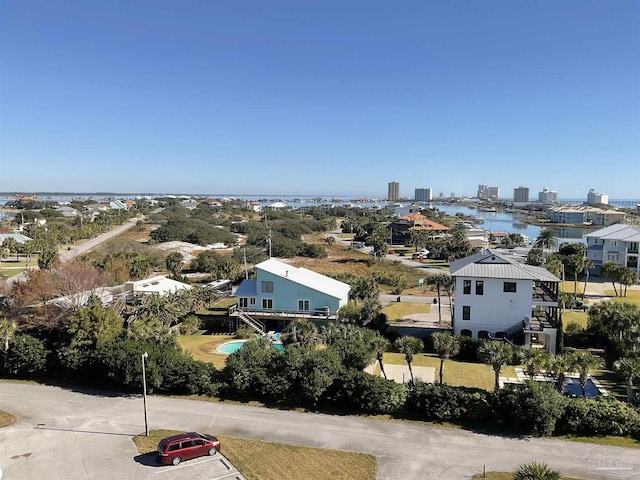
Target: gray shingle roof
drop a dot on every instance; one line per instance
(490, 264)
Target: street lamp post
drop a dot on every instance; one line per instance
(144, 393)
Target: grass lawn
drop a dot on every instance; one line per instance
(258, 460)
(574, 317)
(341, 259)
(6, 419)
(456, 373)
(633, 296)
(398, 311)
(203, 347)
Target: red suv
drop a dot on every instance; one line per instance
(172, 450)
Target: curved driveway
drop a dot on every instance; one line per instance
(66, 434)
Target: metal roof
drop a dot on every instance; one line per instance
(308, 278)
(248, 288)
(619, 231)
(490, 264)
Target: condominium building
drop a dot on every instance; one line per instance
(616, 243)
(423, 195)
(547, 196)
(488, 192)
(595, 198)
(521, 194)
(393, 191)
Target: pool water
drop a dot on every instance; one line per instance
(572, 388)
(232, 347)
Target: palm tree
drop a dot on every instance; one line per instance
(559, 365)
(440, 280)
(583, 363)
(497, 354)
(627, 277)
(380, 345)
(546, 239)
(445, 345)
(173, 263)
(629, 367)
(535, 471)
(588, 264)
(611, 271)
(7, 331)
(409, 346)
(300, 332)
(533, 359)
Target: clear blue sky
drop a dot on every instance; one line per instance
(320, 97)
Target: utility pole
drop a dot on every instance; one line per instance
(269, 243)
(246, 272)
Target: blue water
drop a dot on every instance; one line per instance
(232, 347)
(572, 388)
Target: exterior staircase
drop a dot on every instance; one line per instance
(251, 322)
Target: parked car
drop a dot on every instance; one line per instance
(421, 254)
(175, 449)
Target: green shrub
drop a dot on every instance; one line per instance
(27, 357)
(444, 403)
(189, 325)
(362, 392)
(530, 408)
(468, 349)
(244, 332)
(536, 471)
(600, 417)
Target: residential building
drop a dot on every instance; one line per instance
(585, 214)
(547, 196)
(521, 195)
(423, 195)
(499, 297)
(402, 226)
(617, 244)
(117, 205)
(488, 192)
(18, 237)
(281, 292)
(594, 198)
(393, 191)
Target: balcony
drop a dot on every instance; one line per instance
(285, 314)
(543, 293)
(540, 320)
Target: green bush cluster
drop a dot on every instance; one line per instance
(533, 408)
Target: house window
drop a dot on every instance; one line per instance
(267, 303)
(252, 301)
(614, 243)
(613, 257)
(483, 334)
(466, 287)
(466, 313)
(266, 287)
(509, 287)
(465, 333)
(479, 287)
(303, 305)
(633, 247)
(243, 301)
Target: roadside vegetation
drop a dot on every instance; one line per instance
(259, 460)
(6, 419)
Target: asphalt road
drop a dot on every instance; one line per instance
(66, 434)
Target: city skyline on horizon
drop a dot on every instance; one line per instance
(320, 100)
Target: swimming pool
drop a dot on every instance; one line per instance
(572, 388)
(234, 346)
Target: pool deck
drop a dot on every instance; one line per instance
(522, 377)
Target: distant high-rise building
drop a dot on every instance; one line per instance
(423, 195)
(394, 191)
(488, 192)
(441, 195)
(521, 194)
(453, 194)
(547, 196)
(594, 198)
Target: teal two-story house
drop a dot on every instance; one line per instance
(281, 292)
